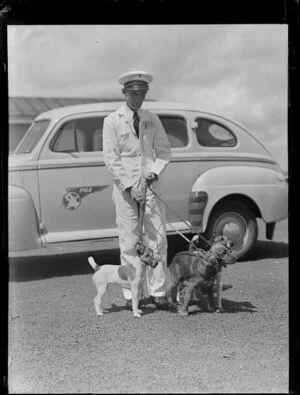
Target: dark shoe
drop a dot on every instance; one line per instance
(160, 302)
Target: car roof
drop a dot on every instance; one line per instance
(62, 112)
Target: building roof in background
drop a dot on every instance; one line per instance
(33, 106)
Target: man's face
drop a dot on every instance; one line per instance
(135, 98)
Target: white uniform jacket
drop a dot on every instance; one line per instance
(127, 157)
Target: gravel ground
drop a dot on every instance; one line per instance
(57, 344)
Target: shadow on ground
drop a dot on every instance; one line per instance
(269, 249)
(146, 305)
(67, 265)
(70, 265)
(229, 307)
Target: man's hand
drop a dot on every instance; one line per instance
(149, 178)
(136, 195)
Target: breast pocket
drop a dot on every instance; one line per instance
(125, 141)
(148, 138)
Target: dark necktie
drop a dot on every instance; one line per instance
(136, 122)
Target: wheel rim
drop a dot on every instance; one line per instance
(233, 226)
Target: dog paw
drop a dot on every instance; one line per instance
(182, 313)
(100, 314)
(219, 310)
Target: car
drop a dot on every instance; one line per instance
(220, 180)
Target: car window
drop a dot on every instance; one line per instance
(176, 130)
(211, 134)
(32, 137)
(79, 135)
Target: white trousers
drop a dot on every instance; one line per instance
(155, 237)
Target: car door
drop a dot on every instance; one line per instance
(183, 169)
(75, 186)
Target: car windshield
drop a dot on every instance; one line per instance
(32, 137)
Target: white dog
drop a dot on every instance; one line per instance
(128, 276)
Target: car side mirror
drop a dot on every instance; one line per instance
(194, 124)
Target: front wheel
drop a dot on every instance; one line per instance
(235, 221)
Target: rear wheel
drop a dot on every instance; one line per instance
(238, 223)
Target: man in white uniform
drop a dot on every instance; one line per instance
(136, 151)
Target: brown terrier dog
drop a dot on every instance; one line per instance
(198, 268)
(195, 248)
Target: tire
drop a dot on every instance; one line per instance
(238, 223)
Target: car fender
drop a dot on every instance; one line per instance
(23, 224)
(266, 187)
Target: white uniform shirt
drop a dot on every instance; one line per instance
(127, 157)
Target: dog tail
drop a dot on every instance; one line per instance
(93, 263)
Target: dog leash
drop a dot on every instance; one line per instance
(186, 223)
(141, 211)
(146, 254)
(181, 234)
(191, 241)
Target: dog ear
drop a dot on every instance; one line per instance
(212, 260)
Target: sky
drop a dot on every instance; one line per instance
(240, 71)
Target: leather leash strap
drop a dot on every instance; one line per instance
(186, 223)
(141, 212)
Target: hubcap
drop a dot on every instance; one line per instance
(234, 227)
(231, 230)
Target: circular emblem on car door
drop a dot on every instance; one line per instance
(71, 200)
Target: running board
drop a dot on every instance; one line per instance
(82, 246)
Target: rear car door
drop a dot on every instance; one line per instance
(183, 168)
